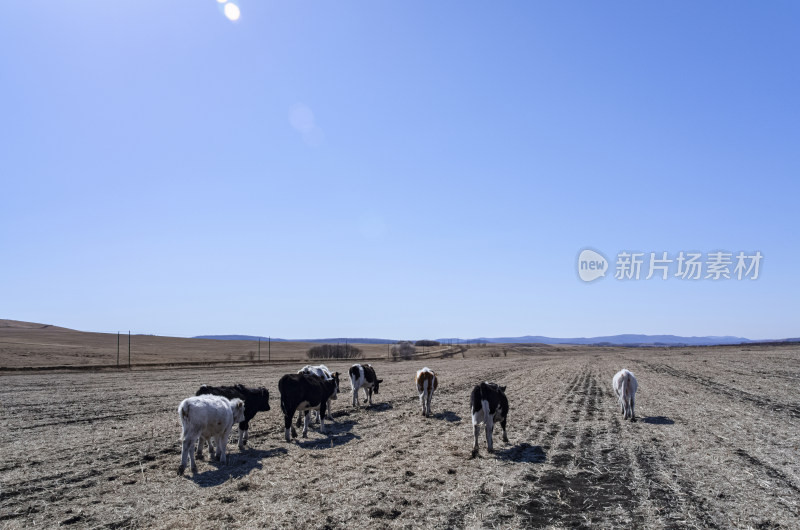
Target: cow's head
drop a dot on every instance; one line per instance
(377, 384)
(335, 385)
(237, 407)
(262, 399)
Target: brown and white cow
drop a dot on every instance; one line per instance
(427, 382)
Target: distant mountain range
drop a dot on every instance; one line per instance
(16, 326)
(610, 340)
(622, 340)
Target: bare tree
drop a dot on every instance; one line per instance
(403, 351)
(335, 351)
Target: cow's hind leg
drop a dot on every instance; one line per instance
(489, 429)
(306, 420)
(287, 424)
(322, 410)
(187, 452)
(477, 417)
(222, 446)
(199, 452)
(430, 397)
(503, 425)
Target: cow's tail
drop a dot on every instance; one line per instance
(484, 401)
(626, 389)
(485, 405)
(183, 411)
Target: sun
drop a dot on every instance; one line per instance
(232, 11)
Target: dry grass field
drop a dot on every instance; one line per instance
(26, 344)
(716, 446)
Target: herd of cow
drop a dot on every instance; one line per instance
(209, 416)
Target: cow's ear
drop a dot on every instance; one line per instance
(380, 380)
(335, 374)
(502, 389)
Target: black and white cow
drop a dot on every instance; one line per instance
(255, 400)
(322, 371)
(305, 392)
(489, 405)
(363, 376)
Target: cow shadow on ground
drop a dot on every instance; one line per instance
(337, 427)
(447, 415)
(524, 452)
(329, 442)
(239, 465)
(380, 407)
(657, 420)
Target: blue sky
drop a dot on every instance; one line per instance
(395, 169)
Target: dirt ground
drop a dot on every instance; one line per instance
(716, 446)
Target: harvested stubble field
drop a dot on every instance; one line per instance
(716, 446)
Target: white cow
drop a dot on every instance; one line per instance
(625, 387)
(207, 417)
(322, 372)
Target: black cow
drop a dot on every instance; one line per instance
(363, 376)
(305, 392)
(489, 405)
(255, 400)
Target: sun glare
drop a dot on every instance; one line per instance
(232, 11)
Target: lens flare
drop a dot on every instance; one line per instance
(232, 11)
(221, 1)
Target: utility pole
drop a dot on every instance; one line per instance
(129, 348)
(117, 348)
